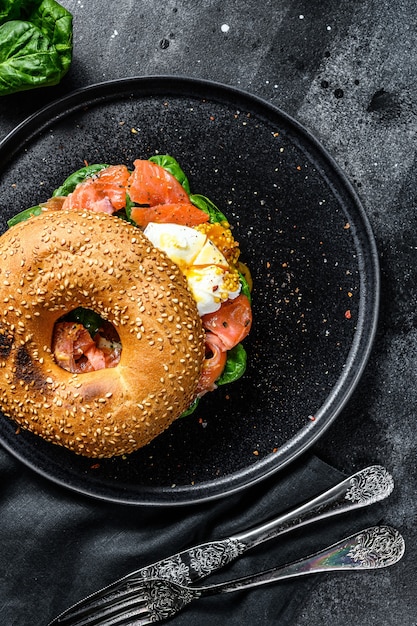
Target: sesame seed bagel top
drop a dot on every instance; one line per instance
(58, 261)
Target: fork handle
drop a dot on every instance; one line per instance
(372, 548)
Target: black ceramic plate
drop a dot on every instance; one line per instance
(304, 235)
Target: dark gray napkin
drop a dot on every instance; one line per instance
(57, 547)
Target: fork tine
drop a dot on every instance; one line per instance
(118, 615)
(108, 611)
(125, 615)
(143, 602)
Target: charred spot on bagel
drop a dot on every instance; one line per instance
(6, 341)
(99, 262)
(26, 371)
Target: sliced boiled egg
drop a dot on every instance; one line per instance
(205, 267)
(181, 243)
(210, 255)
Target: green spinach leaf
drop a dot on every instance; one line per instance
(126, 213)
(88, 318)
(35, 44)
(235, 365)
(203, 203)
(191, 408)
(10, 10)
(55, 22)
(24, 215)
(245, 287)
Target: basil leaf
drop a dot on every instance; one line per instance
(77, 177)
(173, 167)
(88, 318)
(235, 365)
(203, 203)
(35, 44)
(24, 215)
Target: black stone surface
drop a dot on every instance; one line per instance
(347, 71)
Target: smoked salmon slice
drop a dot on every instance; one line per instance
(231, 323)
(77, 352)
(213, 364)
(150, 185)
(104, 192)
(182, 213)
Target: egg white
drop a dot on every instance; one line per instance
(202, 263)
(181, 243)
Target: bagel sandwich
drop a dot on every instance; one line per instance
(122, 303)
(92, 260)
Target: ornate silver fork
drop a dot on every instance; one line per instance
(365, 487)
(152, 600)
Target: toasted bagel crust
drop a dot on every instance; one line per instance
(58, 261)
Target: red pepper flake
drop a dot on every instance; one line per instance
(299, 168)
(274, 450)
(348, 314)
(95, 466)
(212, 118)
(86, 162)
(312, 418)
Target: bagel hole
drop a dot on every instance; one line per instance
(82, 342)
